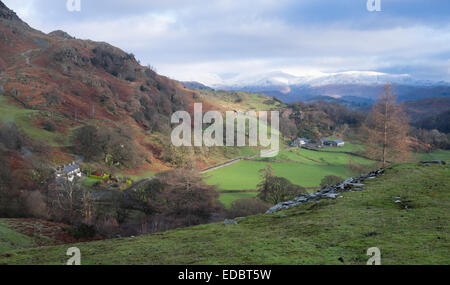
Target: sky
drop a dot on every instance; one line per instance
(208, 40)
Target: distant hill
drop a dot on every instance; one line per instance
(355, 84)
(421, 109)
(351, 102)
(193, 85)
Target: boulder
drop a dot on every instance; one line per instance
(230, 222)
(331, 196)
(352, 185)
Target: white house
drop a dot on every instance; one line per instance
(69, 172)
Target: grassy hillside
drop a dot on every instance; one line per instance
(24, 118)
(315, 233)
(435, 155)
(12, 240)
(240, 100)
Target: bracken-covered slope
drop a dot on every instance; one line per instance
(57, 72)
(323, 232)
(83, 82)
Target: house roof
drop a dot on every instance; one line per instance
(70, 168)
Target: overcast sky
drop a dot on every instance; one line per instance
(200, 39)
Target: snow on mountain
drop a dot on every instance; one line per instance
(282, 79)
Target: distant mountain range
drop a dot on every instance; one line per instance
(353, 86)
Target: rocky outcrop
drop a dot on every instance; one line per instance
(9, 17)
(61, 34)
(7, 14)
(329, 192)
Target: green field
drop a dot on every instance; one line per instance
(436, 155)
(12, 240)
(228, 198)
(300, 166)
(322, 232)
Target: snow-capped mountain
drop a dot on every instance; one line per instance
(366, 84)
(279, 78)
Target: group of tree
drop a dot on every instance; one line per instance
(22, 170)
(113, 147)
(180, 197)
(430, 139)
(439, 122)
(319, 119)
(273, 189)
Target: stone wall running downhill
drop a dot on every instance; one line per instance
(329, 192)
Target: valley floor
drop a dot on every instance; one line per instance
(303, 167)
(325, 232)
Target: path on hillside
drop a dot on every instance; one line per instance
(25, 55)
(139, 184)
(236, 160)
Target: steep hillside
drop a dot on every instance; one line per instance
(325, 232)
(69, 83)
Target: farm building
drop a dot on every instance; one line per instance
(299, 142)
(323, 142)
(333, 143)
(338, 143)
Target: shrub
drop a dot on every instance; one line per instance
(49, 126)
(130, 78)
(11, 137)
(82, 231)
(247, 207)
(330, 180)
(278, 189)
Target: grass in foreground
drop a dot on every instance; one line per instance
(315, 233)
(12, 240)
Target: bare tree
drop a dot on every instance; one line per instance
(63, 199)
(386, 129)
(87, 206)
